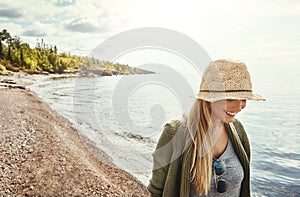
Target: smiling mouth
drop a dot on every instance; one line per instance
(230, 113)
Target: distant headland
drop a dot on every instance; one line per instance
(44, 58)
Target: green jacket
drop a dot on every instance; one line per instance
(172, 160)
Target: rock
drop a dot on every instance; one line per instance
(115, 72)
(96, 73)
(12, 86)
(8, 81)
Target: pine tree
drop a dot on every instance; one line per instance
(22, 57)
(9, 57)
(1, 50)
(55, 49)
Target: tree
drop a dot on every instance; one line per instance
(1, 50)
(52, 59)
(4, 35)
(22, 57)
(16, 42)
(55, 49)
(9, 57)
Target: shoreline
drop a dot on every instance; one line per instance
(42, 153)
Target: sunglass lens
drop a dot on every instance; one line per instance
(222, 187)
(219, 167)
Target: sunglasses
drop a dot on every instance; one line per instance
(219, 169)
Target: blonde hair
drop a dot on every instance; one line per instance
(200, 127)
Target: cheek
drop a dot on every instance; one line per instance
(218, 107)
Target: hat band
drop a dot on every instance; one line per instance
(225, 91)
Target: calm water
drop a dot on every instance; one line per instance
(124, 115)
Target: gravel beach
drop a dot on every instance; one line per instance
(41, 154)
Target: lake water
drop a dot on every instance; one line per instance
(124, 116)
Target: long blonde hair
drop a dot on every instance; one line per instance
(200, 127)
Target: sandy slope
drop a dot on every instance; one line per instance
(41, 154)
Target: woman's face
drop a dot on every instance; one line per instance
(226, 109)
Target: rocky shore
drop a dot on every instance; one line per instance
(41, 154)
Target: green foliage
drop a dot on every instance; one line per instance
(1, 50)
(8, 66)
(19, 56)
(2, 69)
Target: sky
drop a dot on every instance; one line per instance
(263, 33)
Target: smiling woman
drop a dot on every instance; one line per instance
(210, 151)
(226, 110)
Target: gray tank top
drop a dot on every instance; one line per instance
(233, 175)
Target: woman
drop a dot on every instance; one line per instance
(207, 153)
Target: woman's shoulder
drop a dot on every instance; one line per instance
(172, 126)
(170, 130)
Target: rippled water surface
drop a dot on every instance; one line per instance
(126, 123)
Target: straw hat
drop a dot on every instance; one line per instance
(226, 79)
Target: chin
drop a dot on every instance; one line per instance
(228, 120)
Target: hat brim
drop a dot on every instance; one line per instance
(213, 96)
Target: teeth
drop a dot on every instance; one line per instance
(231, 113)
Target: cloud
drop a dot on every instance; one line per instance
(63, 3)
(38, 29)
(34, 33)
(38, 10)
(81, 25)
(10, 13)
(13, 28)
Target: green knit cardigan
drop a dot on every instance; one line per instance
(172, 160)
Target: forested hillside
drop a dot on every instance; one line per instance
(16, 55)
